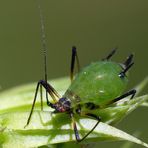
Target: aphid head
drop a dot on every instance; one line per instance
(62, 105)
(126, 66)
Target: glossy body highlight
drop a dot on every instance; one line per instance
(98, 83)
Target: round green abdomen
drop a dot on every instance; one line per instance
(97, 83)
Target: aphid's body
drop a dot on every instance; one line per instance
(95, 86)
(97, 83)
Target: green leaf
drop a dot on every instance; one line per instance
(47, 129)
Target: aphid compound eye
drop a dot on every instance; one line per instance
(62, 99)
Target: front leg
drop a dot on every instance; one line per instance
(49, 89)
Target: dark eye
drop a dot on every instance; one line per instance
(62, 99)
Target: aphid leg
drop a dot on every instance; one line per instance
(122, 74)
(76, 130)
(128, 61)
(38, 84)
(41, 96)
(75, 127)
(110, 54)
(73, 58)
(129, 93)
(98, 120)
(49, 89)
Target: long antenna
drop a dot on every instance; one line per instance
(43, 38)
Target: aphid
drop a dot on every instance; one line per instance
(102, 84)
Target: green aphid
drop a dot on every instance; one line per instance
(96, 86)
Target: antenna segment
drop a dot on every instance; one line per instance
(43, 39)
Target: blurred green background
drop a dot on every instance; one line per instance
(95, 27)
